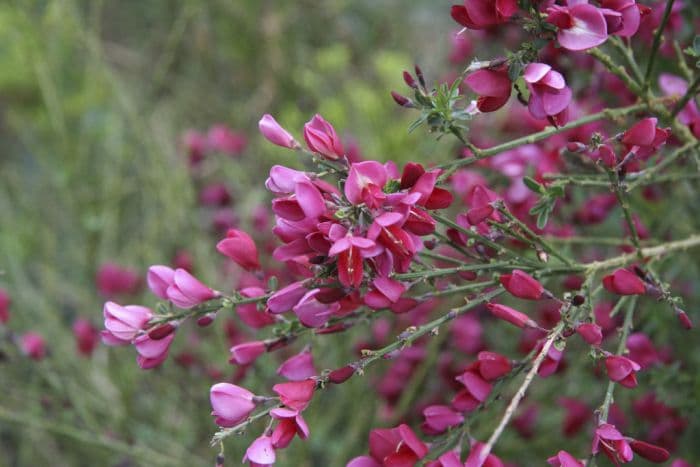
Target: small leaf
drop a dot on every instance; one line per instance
(533, 185)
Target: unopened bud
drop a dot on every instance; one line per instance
(401, 100)
(163, 331)
(408, 79)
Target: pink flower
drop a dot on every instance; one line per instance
(522, 285)
(86, 336)
(551, 361)
(313, 313)
(481, 14)
(608, 439)
(249, 312)
(439, 418)
(475, 455)
(493, 87)
(581, 26)
(649, 451)
(260, 452)
(274, 133)
(240, 248)
(507, 313)
(622, 370)
(395, 447)
(33, 345)
(480, 201)
(299, 367)
(564, 459)
(476, 390)
(286, 298)
(196, 145)
(186, 291)
(591, 333)
(624, 282)
(247, 353)
(365, 184)
(626, 22)
(230, 404)
(215, 194)
(124, 322)
(296, 394)
(321, 138)
(644, 138)
(222, 139)
(491, 365)
(152, 352)
(159, 278)
(549, 94)
(350, 250)
(113, 279)
(384, 293)
(290, 423)
(4, 306)
(576, 416)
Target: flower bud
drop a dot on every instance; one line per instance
(230, 404)
(274, 133)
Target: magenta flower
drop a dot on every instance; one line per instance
(475, 455)
(33, 345)
(476, 390)
(86, 336)
(493, 87)
(591, 333)
(564, 459)
(551, 361)
(321, 138)
(230, 404)
(549, 94)
(644, 138)
(649, 451)
(622, 370)
(581, 26)
(439, 418)
(296, 394)
(384, 293)
(152, 352)
(159, 278)
(395, 447)
(481, 14)
(274, 133)
(507, 313)
(124, 322)
(313, 313)
(624, 282)
(350, 251)
(186, 291)
(491, 365)
(622, 17)
(286, 298)
(365, 184)
(249, 312)
(260, 452)
(247, 353)
(221, 139)
(522, 285)
(4, 306)
(290, 423)
(113, 279)
(608, 439)
(240, 247)
(299, 367)
(480, 201)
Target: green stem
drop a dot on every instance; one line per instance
(614, 68)
(689, 94)
(655, 45)
(646, 175)
(622, 200)
(535, 137)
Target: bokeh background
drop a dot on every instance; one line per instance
(99, 104)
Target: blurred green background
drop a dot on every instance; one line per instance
(94, 99)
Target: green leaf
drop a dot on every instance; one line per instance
(533, 185)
